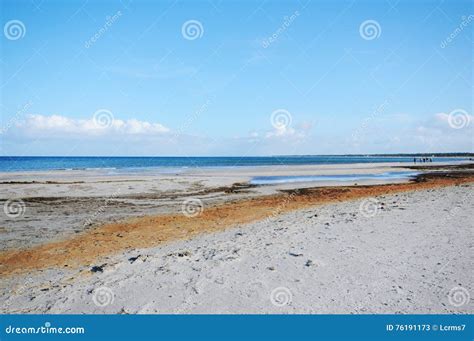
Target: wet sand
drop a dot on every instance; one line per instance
(149, 231)
(62, 204)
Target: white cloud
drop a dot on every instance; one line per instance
(458, 119)
(57, 125)
(286, 131)
(281, 131)
(404, 133)
(457, 123)
(52, 135)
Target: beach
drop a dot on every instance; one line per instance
(210, 241)
(237, 170)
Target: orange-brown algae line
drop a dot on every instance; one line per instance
(87, 247)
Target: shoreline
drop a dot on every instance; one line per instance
(155, 170)
(59, 205)
(89, 246)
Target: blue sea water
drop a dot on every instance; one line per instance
(138, 164)
(271, 180)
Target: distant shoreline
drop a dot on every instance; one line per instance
(453, 154)
(138, 164)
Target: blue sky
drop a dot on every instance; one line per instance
(337, 88)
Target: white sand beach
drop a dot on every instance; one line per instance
(360, 249)
(407, 258)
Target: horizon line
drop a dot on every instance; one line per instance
(439, 154)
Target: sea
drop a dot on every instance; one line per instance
(163, 164)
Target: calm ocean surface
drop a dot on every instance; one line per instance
(139, 164)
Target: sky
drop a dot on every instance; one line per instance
(192, 78)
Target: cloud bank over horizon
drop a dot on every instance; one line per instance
(102, 132)
(103, 124)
